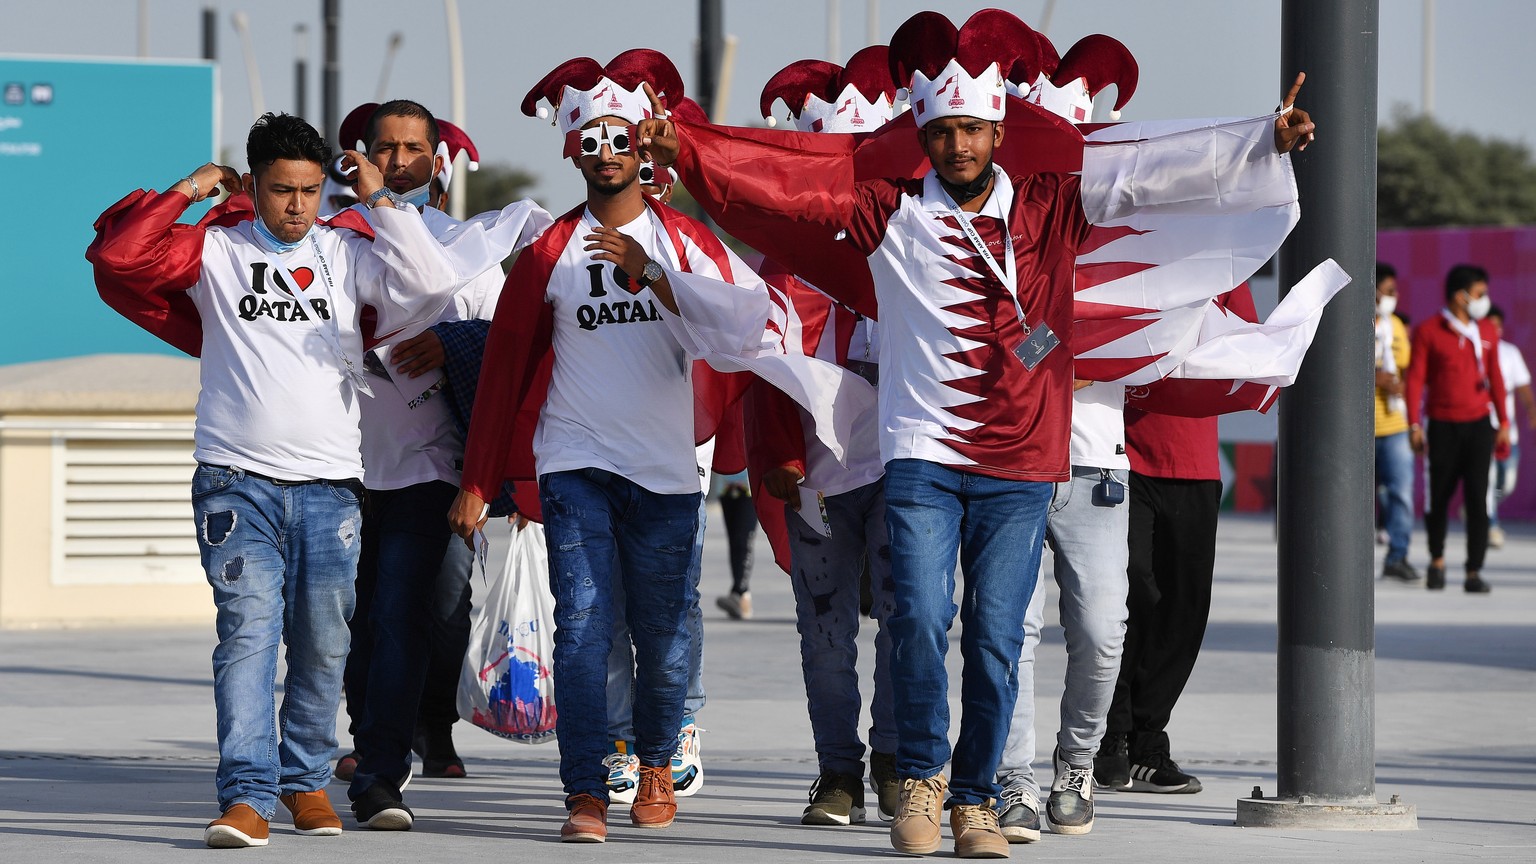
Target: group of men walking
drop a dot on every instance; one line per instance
(912, 359)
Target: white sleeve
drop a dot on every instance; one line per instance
(484, 241)
(403, 273)
(1516, 374)
(1208, 168)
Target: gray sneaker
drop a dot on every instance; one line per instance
(1019, 813)
(885, 784)
(836, 799)
(1070, 805)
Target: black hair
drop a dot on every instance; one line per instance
(283, 136)
(402, 108)
(1384, 271)
(1495, 312)
(1462, 277)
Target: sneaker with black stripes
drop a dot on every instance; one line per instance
(1161, 774)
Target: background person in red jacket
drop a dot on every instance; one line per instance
(1455, 356)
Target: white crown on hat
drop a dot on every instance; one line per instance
(850, 112)
(605, 99)
(954, 93)
(1070, 101)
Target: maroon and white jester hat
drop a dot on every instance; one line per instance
(580, 91)
(451, 140)
(961, 73)
(1068, 88)
(826, 97)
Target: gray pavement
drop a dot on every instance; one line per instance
(107, 750)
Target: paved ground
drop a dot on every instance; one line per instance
(107, 750)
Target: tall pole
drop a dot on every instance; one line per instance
(242, 24)
(1427, 66)
(871, 23)
(330, 75)
(210, 33)
(1326, 653)
(300, 72)
(711, 46)
(834, 28)
(143, 28)
(458, 202)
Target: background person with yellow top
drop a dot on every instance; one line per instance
(1394, 455)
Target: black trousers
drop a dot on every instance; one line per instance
(1459, 453)
(1173, 558)
(740, 517)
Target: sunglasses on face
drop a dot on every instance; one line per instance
(589, 142)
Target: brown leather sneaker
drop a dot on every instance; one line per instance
(976, 832)
(655, 805)
(239, 827)
(587, 821)
(312, 813)
(916, 829)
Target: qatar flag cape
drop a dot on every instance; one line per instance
(150, 297)
(1144, 278)
(726, 339)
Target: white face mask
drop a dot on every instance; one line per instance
(1386, 305)
(1478, 307)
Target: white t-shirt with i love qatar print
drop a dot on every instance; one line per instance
(275, 398)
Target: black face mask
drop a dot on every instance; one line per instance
(973, 189)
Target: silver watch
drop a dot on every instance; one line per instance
(384, 192)
(651, 274)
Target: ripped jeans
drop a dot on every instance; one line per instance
(281, 559)
(594, 521)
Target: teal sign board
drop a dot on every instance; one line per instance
(75, 136)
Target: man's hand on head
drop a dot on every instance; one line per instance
(369, 178)
(1294, 127)
(658, 137)
(209, 178)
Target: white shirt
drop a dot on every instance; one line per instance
(1098, 426)
(1516, 374)
(409, 433)
(621, 389)
(275, 399)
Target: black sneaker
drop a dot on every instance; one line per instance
(1161, 774)
(1112, 764)
(1436, 579)
(381, 808)
(438, 756)
(1070, 804)
(1475, 583)
(1018, 813)
(1402, 571)
(885, 784)
(836, 799)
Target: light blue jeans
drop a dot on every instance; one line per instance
(1501, 482)
(825, 574)
(597, 522)
(1394, 484)
(621, 659)
(996, 527)
(281, 559)
(1091, 551)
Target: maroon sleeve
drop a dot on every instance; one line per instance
(144, 261)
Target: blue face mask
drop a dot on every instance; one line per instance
(419, 197)
(267, 240)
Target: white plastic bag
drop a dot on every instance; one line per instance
(507, 685)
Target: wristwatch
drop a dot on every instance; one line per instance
(384, 192)
(651, 274)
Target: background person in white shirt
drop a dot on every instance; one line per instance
(1506, 463)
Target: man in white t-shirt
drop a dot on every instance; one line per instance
(277, 490)
(592, 352)
(412, 454)
(1506, 462)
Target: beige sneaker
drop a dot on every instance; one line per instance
(976, 832)
(916, 829)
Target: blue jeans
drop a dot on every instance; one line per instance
(621, 659)
(997, 527)
(405, 536)
(825, 574)
(281, 559)
(1501, 482)
(596, 521)
(1394, 481)
(1091, 551)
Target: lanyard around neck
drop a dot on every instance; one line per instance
(1005, 274)
(332, 334)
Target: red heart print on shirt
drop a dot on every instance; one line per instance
(302, 277)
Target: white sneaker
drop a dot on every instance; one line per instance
(687, 765)
(1495, 537)
(623, 774)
